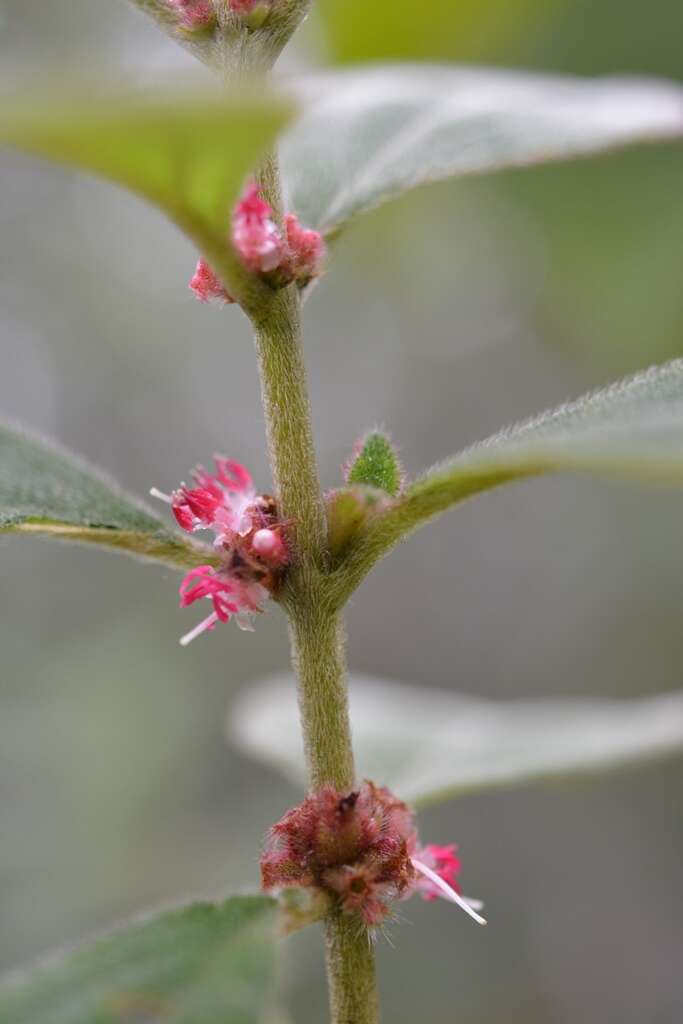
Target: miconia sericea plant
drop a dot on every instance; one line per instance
(262, 173)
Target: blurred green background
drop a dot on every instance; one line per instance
(444, 316)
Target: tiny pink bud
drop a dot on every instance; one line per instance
(306, 250)
(253, 13)
(255, 234)
(269, 546)
(206, 285)
(194, 14)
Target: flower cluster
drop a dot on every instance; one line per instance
(249, 537)
(363, 850)
(200, 15)
(279, 257)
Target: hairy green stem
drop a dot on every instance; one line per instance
(290, 439)
(318, 655)
(350, 972)
(315, 626)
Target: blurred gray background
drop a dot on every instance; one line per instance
(444, 316)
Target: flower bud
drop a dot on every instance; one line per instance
(194, 15)
(270, 548)
(252, 13)
(306, 250)
(255, 234)
(206, 284)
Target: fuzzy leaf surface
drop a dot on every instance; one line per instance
(47, 490)
(195, 965)
(375, 464)
(631, 430)
(389, 128)
(430, 746)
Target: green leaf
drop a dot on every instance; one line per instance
(631, 430)
(375, 463)
(200, 964)
(187, 154)
(387, 129)
(430, 746)
(47, 490)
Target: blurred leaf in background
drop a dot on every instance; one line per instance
(193, 965)
(456, 29)
(431, 746)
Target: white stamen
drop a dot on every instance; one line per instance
(204, 624)
(156, 493)
(448, 892)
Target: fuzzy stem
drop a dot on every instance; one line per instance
(350, 972)
(318, 656)
(315, 626)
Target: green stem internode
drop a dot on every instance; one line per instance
(316, 628)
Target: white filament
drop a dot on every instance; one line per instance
(448, 892)
(204, 624)
(156, 493)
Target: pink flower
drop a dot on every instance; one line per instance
(206, 285)
(362, 849)
(255, 234)
(263, 249)
(229, 595)
(194, 14)
(306, 250)
(438, 867)
(442, 860)
(249, 538)
(219, 502)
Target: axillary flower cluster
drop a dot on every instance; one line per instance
(249, 538)
(199, 16)
(362, 849)
(278, 257)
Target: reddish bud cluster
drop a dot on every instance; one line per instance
(297, 255)
(194, 14)
(360, 848)
(356, 846)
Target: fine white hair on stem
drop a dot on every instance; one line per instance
(448, 892)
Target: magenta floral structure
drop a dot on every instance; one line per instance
(248, 537)
(362, 849)
(278, 256)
